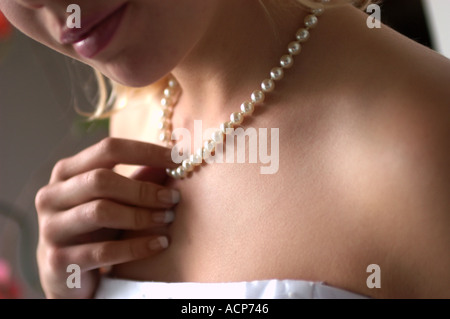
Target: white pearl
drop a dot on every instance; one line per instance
(217, 136)
(226, 127)
(165, 125)
(175, 174)
(188, 165)
(195, 159)
(258, 97)
(302, 35)
(236, 118)
(286, 61)
(166, 112)
(209, 146)
(181, 171)
(199, 153)
(311, 21)
(277, 73)
(169, 92)
(294, 47)
(247, 108)
(172, 83)
(318, 11)
(206, 154)
(268, 85)
(165, 136)
(167, 101)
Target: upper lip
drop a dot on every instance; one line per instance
(88, 23)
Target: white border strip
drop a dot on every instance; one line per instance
(438, 16)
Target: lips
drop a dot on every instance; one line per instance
(95, 34)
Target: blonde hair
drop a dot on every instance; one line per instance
(112, 96)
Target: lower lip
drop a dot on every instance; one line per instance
(99, 38)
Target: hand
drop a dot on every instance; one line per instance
(83, 209)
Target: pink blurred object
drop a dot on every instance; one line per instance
(9, 289)
(5, 27)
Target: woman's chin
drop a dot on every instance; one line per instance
(131, 78)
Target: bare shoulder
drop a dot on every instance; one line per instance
(385, 122)
(413, 135)
(407, 131)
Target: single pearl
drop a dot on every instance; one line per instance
(169, 92)
(318, 11)
(268, 85)
(188, 165)
(167, 101)
(277, 74)
(217, 136)
(311, 21)
(209, 146)
(181, 171)
(165, 125)
(236, 118)
(166, 112)
(206, 154)
(286, 61)
(226, 127)
(195, 159)
(175, 174)
(294, 47)
(247, 108)
(199, 153)
(258, 97)
(172, 83)
(302, 35)
(165, 136)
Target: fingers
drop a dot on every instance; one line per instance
(95, 255)
(62, 227)
(105, 184)
(110, 152)
(150, 174)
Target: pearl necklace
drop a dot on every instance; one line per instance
(172, 92)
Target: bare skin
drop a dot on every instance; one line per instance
(363, 176)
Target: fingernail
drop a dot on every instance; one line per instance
(169, 196)
(165, 217)
(158, 243)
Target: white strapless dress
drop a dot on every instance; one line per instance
(111, 288)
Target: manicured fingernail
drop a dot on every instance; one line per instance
(165, 217)
(169, 196)
(158, 243)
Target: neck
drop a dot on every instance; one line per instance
(235, 54)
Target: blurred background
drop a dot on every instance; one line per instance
(39, 90)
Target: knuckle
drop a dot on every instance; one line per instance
(97, 212)
(42, 199)
(108, 147)
(46, 229)
(98, 179)
(136, 250)
(102, 254)
(56, 258)
(139, 219)
(143, 192)
(59, 168)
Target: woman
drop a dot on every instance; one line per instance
(363, 144)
